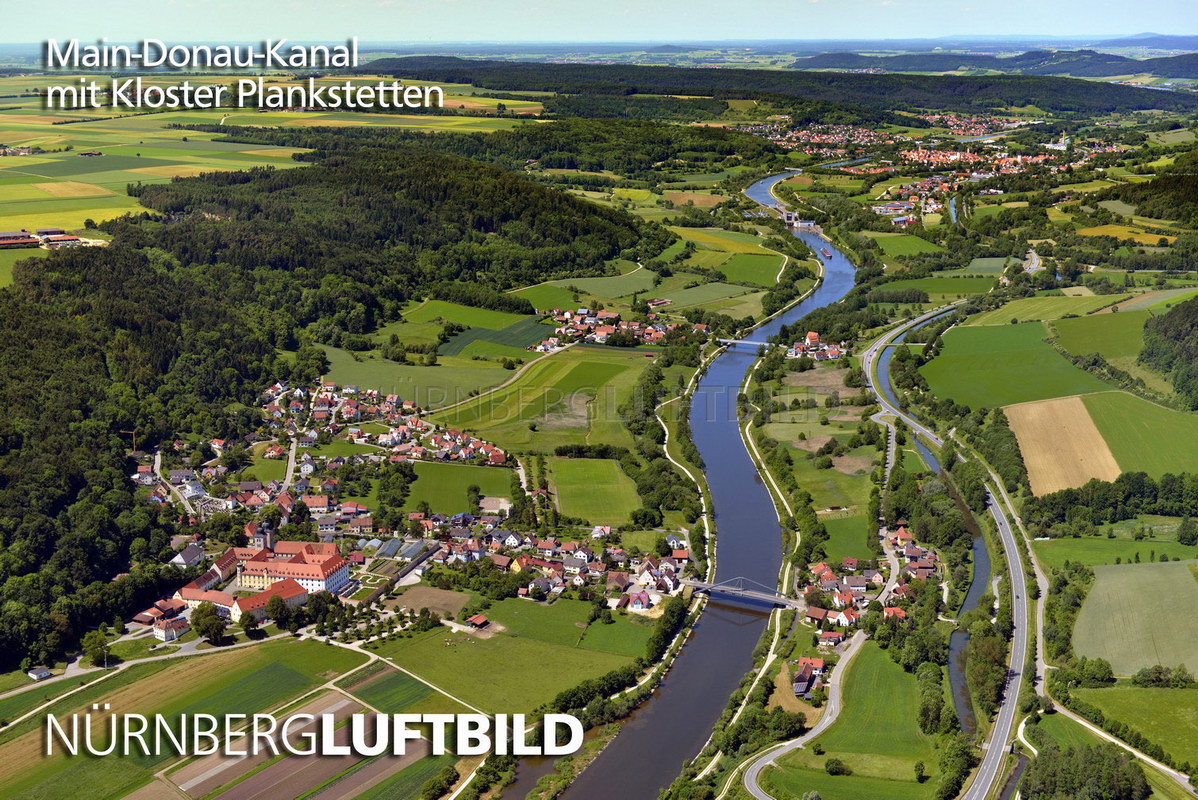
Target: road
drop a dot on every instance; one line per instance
(1041, 677)
(289, 478)
(173, 489)
(752, 776)
(990, 770)
(1033, 262)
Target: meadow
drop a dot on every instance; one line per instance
(902, 244)
(594, 489)
(10, 257)
(877, 735)
(1122, 619)
(1168, 717)
(847, 537)
(443, 485)
(452, 662)
(983, 265)
(1043, 308)
(248, 680)
(761, 270)
(1160, 536)
(571, 397)
(1112, 335)
(1144, 436)
(943, 288)
(1136, 234)
(451, 380)
(985, 367)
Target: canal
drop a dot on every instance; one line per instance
(671, 728)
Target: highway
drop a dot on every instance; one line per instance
(989, 772)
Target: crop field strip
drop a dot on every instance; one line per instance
(1060, 443)
(1043, 308)
(1122, 620)
(990, 366)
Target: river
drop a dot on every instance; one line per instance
(671, 728)
(959, 639)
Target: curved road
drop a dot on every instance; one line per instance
(752, 776)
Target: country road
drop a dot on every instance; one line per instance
(989, 771)
(752, 776)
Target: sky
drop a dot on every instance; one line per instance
(590, 20)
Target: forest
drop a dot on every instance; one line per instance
(632, 148)
(889, 91)
(1171, 346)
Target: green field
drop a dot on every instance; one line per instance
(1115, 335)
(269, 469)
(244, 681)
(1125, 621)
(1160, 537)
(704, 294)
(985, 367)
(761, 270)
(561, 622)
(515, 337)
(627, 636)
(571, 397)
(594, 489)
(988, 265)
(1043, 308)
(10, 257)
(1144, 436)
(564, 622)
(877, 734)
(453, 379)
(24, 702)
(1168, 717)
(548, 296)
(943, 288)
(443, 486)
(902, 244)
(609, 287)
(406, 783)
(431, 310)
(847, 537)
(458, 663)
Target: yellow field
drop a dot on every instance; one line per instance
(1125, 232)
(72, 189)
(1061, 445)
(720, 240)
(175, 170)
(700, 199)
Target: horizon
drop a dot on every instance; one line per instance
(499, 22)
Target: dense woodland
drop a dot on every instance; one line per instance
(869, 91)
(1103, 772)
(630, 148)
(1171, 346)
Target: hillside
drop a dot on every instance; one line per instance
(174, 323)
(1081, 63)
(873, 91)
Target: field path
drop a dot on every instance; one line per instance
(515, 377)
